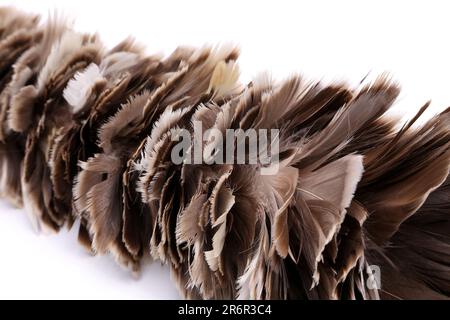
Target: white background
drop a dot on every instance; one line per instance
(329, 40)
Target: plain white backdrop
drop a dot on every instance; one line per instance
(328, 40)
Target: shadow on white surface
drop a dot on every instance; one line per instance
(34, 266)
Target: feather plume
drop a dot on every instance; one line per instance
(88, 134)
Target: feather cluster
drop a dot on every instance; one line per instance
(86, 135)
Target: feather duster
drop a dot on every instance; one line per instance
(90, 134)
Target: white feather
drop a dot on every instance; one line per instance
(117, 62)
(80, 87)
